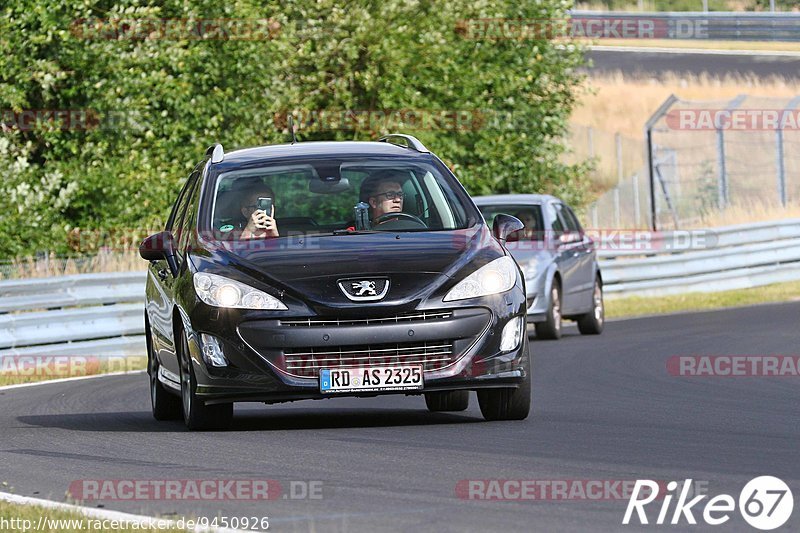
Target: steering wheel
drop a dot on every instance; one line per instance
(400, 215)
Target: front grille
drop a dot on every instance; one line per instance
(306, 362)
(411, 317)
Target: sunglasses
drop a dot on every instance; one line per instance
(391, 195)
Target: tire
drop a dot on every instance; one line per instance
(457, 400)
(551, 327)
(196, 414)
(164, 404)
(592, 323)
(508, 404)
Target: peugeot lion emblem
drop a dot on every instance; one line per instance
(364, 290)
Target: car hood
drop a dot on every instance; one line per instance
(309, 268)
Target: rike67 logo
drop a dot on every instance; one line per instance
(765, 503)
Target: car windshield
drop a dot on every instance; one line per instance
(530, 215)
(336, 197)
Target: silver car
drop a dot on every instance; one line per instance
(562, 275)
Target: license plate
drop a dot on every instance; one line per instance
(373, 378)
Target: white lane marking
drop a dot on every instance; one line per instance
(700, 51)
(62, 380)
(105, 514)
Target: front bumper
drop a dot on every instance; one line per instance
(277, 360)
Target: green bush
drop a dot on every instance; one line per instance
(156, 104)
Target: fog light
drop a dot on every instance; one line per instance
(212, 351)
(512, 334)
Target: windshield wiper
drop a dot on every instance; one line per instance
(354, 232)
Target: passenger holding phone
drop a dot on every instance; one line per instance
(257, 202)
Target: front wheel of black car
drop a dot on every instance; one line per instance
(457, 400)
(551, 327)
(196, 414)
(592, 323)
(165, 406)
(507, 404)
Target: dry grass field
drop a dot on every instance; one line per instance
(622, 104)
(52, 265)
(616, 103)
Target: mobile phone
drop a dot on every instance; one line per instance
(265, 204)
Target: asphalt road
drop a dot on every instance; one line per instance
(605, 408)
(659, 64)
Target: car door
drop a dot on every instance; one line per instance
(566, 261)
(161, 290)
(582, 249)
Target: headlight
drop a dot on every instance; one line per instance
(223, 292)
(496, 277)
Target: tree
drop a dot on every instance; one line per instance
(155, 95)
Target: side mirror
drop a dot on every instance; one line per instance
(505, 225)
(160, 247)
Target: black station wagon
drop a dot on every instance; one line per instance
(326, 269)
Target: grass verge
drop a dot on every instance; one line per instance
(16, 517)
(15, 370)
(699, 301)
(119, 260)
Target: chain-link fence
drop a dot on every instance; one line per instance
(619, 169)
(712, 162)
(712, 157)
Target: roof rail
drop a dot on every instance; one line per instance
(216, 153)
(411, 141)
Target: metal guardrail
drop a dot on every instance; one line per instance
(717, 238)
(69, 325)
(67, 291)
(733, 257)
(102, 314)
(82, 314)
(723, 26)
